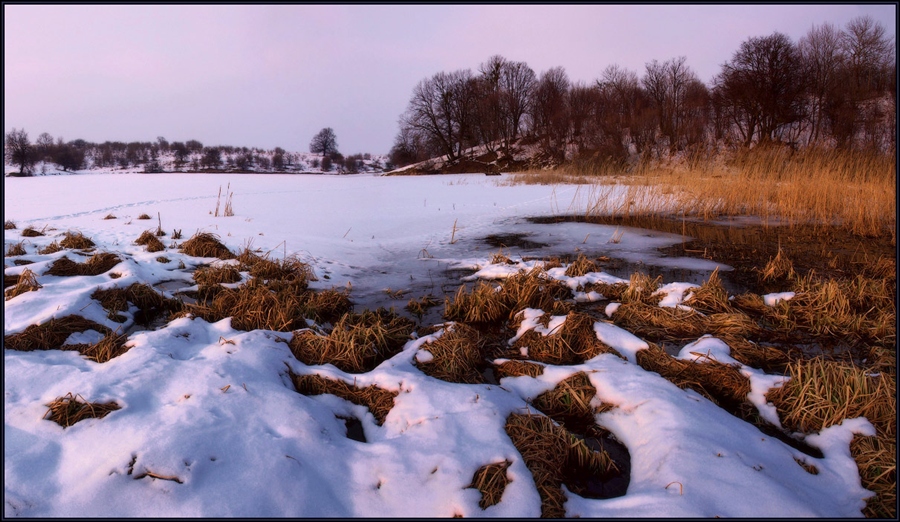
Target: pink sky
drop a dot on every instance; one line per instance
(269, 76)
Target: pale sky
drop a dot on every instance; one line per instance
(267, 76)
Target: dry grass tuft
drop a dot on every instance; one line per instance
(26, 282)
(290, 272)
(378, 400)
(144, 216)
(145, 298)
(779, 268)
(96, 265)
(52, 248)
(110, 216)
(251, 308)
(548, 450)
(457, 354)
(656, 323)
(357, 343)
(76, 241)
(491, 481)
(711, 297)
(9, 225)
(16, 249)
(484, 304)
(721, 383)
(858, 310)
(29, 231)
(149, 239)
(581, 266)
(326, 306)
(569, 403)
(823, 393)
(418, 307)
(112, 345)
(204, 244)
(640, 289)
(68, 410)
(518, 369)
(573, 343)
(52, 334)
(214, 275)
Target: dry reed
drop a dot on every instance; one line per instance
(96, 265)
(823, 393)
(573, 343)
(205, 244)
(456, 355)
(9, 225)
(569, 403)
(68, 409)
(25, 282)
(149, 239)
(491, 481)
(515, 368)
(357, 343)
(29, 231)
(52, 248)
(16, 249)
(52, 334)
(76, 241)
(378, 400)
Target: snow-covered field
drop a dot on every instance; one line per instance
(214, 407)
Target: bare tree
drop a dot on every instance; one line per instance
(440, 110)
(669, 84)
(325, 142)
(823, 58)
(760, 90)
(549, 110)
(19, 151)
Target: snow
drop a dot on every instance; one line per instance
(774, 299)
(214, 407)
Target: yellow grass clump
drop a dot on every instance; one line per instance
(214, 275)
(523, 290)
(456, 355)
(9, 225)
(96, 265)
(548, 450)
(491, 481)
(357, 343)
(76, 240)
(573, 343)
(205, 244)
(68, 409)
(721, 383)
(30, 231)
(149, 239)
(16, 249)
(513, 368)
(823, 393)
(581, 266)
(569, 403)
(378, 400)
(52, 248)
(25, 282)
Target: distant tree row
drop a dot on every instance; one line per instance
(834, 89)
(189, 155)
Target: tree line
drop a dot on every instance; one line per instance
(190, 155)
(834, 88)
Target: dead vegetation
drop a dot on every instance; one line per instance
(9, 225)
(357, 343)
(551, 453)
(97, 264)
(68, 409)
(16, 249)
(205, 244)
(456, 355)
(486, 304)
(378, 400)
(76, 241)
(571, 403)
(149, 302)
(573, 343)
(215, 275)
(514, 368)
(149, 239)
(24, 282)
(491, 481)
(30, 231)
(823, 393)
(52, 334)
